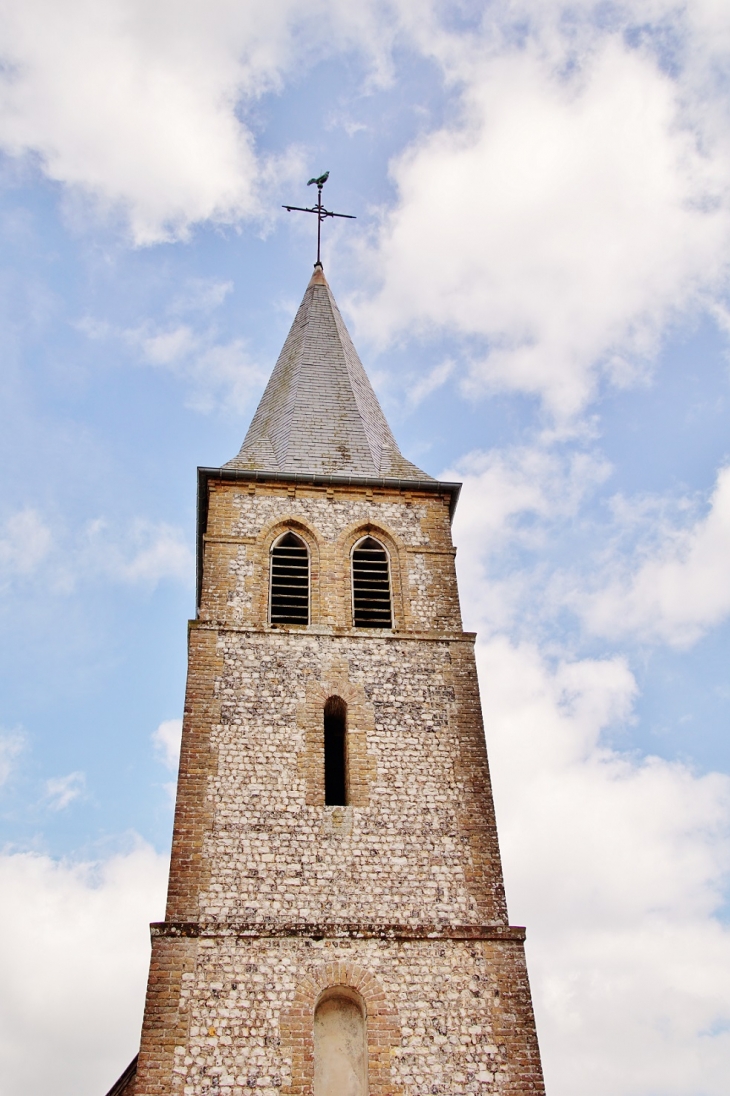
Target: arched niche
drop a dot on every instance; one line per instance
(340, 1044)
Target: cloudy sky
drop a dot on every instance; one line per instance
(537, 281)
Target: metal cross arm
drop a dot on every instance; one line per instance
(321, 212)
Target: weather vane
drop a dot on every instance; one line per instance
(319, 209)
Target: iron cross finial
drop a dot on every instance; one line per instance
(319, 209)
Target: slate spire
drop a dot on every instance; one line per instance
(319, 413)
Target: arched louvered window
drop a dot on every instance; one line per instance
(371, 600)
(289, 600)
(335, 752)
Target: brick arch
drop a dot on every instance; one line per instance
(398, 564)
(335, 681)
(297, 1026)
(265, 539)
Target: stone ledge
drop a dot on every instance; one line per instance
(228, 538)
(185, 929)
(368, 634)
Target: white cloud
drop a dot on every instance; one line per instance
(145, 553)
(433, 380)
(61, 791)
(202, 295)
(530, 545)
(217, 375)
(617, 864)
(501, 484)
(25, 542)
(675, 590)
(577, 206)
(143, 106)
(74, 951)
(166, 740)
(142, 552)
(511, 500)
(12, 743)
(137, 108)
(165, 347)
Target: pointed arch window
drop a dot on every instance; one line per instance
(289, 584)
(371, 595)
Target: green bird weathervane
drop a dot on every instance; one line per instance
(322, 213)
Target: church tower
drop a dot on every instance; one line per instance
(336, 922)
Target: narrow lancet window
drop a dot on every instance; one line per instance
(340, 1045)
(289, 581)
(335, 752)
(371, 601)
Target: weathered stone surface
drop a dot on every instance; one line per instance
(276, 898)
(442, 1017)
(243, 524)
(273, 855)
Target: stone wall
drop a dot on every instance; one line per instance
(243, 523)
(443, 1016)
(275, 897)
(275, 852)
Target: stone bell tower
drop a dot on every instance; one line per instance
(336, 922)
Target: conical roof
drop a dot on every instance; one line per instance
(319, 414)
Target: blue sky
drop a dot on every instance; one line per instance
(537, 282)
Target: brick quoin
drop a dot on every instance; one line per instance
(275, 897)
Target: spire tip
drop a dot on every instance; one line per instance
(318, 277)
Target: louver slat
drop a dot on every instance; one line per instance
(371, 586)
(289, 581)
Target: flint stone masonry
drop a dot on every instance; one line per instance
(330, 517)
(415, 531)
(275, 856)
(395, 900)
(444, 1017)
